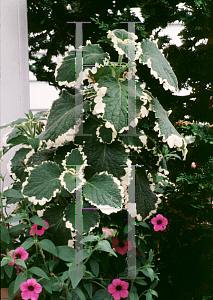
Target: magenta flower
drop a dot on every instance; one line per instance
(108, 232)
(118, 289)
(30, 289)
(159, 222)
(38, 229)
(19, 253)
(120, 247)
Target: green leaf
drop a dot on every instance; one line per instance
(76, 275)
(5, 234)
(60, 235)
(66, 253)
(74, 158)
(34, 143)
(88, 287)
(90, 238)
(5, 261)
(148, 296)
(146, 200)
(12, 124)
(105, 157)
(18, 170)
(154, 284)
(154, 293)
(62, 117)
(160, 68)
(16, 230)
(28, 243)
(90, 216)
(47, 284)
(102, 190)
(20, 262)
(18, 187)
(140, 281)
(91, 54)
(48, 246)
(43, 183)
(79, 292)
(9, 270)
(165, 127)
(105, 246)
(39, 272)
(22, 277)
(94, 266)
(115, 100)
(102, 295)
(17, 218)
(143, 224)
(39, 221)
(38, 157)
(133, 296)
(11, 193)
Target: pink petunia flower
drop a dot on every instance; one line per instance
(118, 289)
(108, 232)
(19, 253)
(193, 165)
(30, 289)
(159, 222)
(38, 229)
(120, 247)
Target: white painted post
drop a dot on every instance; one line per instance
(14, 91)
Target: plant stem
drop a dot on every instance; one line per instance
(1, 194)
(99, 284)
(120, 59)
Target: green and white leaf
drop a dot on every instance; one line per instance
(160, 67)
(114, 102)
(166, 129)
(65, 72)
(43, 183)
(105, 157)
(105, 192)
(61, 124)
(15, 168)
(72, 178)
(124, 43)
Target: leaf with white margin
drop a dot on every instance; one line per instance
(62, 116)
(135, 142)
(90, 216)
(73, 175)
(43, 183)
(105, 157)
(66, 71)
(17, 169)
(60, 235)
(165, 127)
(160, 67)
(105, 192)
(115, 101)
(124, 42)
(14, 123)
(106, 133)
(146, 200)
(100, 72)
(38, 157)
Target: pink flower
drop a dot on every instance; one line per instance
(38, 229)
(108, 232)
(121, 247)
(159, 222)
(30, 289)
(20, 253)
(118, 289)
(193, 165)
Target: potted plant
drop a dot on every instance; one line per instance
(78, 166)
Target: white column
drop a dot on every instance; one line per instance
(14, 88)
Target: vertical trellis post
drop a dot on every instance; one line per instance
(14, 65)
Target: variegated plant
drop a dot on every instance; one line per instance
(98, 161)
